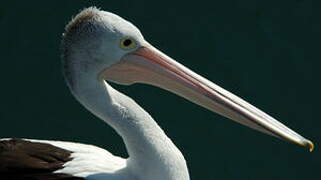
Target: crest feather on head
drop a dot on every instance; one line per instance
(73, 33)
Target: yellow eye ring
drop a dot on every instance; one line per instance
(127, 43)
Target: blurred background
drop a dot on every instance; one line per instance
(267, 52)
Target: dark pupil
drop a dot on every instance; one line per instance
(127, 42)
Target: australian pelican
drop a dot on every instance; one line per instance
(97, 47)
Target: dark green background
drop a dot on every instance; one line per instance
(267, 52)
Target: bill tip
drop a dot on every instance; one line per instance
(310, 145)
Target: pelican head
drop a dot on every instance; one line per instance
(94, 40)
(105, 47)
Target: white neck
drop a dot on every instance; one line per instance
(151, 153)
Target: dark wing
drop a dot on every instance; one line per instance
(24, 160)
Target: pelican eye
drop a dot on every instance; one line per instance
(127, 43)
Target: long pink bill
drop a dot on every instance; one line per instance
(149, 65)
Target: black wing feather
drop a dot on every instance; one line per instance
(25, 160)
